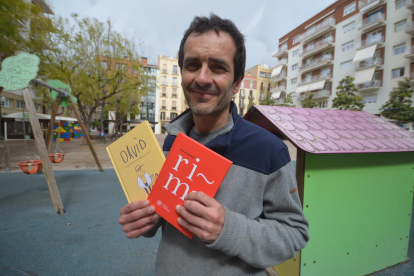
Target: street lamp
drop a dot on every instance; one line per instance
(2, 102)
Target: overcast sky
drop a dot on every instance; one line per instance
(160, 24)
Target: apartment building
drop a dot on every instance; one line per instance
(170, 98)
(148, 103)
(254, 87)
(370, 40)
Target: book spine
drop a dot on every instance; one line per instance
(119, 176)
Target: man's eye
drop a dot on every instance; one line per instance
(219, 67)
(191, 65)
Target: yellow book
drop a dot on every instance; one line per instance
(137, 158)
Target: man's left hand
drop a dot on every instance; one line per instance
(202, 215)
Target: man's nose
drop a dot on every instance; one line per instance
(204, 76)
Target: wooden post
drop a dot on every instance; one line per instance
(86, 135)
(52, 122)
(43, 153)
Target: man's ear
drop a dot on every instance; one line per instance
(237, 84)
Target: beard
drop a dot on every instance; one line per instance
(198, 108)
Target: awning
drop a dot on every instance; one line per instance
(19, 115)
(364, 75)
(365, 53)
(302, 88)
(276, 95)
(277, 70)
(317, 85)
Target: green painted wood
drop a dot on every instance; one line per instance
(18, 71)
(63, 86)
(359, 211)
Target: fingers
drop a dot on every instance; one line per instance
(201, 198)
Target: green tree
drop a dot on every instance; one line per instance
(288, 100)
(398, 107)
(101, 65)
(346, 99)
(268, 100)
(309, 102)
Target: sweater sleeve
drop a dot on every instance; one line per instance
(274, 237)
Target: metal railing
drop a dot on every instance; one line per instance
(409, 27)
(316, 61)
(372, 18)
(369, 62)
(316, 78)
(319, 27)
(280, 62)
(280, 51)
(315, 46)
(280, 101)
(362, 3)
(278, 89)
(278, 76)
(316, 94)
(370, 41)
(410, 51)
(370, 84)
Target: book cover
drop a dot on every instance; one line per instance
(137, 159)
(189, 166)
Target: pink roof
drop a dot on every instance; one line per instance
(336, 131)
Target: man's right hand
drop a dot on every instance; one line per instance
(137, 218)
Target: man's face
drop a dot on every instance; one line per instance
(208, 72)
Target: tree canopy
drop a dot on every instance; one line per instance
(399, 106)
(346, 98)
(309, 101)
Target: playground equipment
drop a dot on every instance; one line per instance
(355, 182)
(17, 72)
(57, 157)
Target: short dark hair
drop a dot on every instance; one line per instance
(203, 24)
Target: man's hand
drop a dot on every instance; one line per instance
(137, 218)
(202, 215)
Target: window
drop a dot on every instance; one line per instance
(327, 38)
(164, 80)
(173, 116)
(262, 74)
(323, 104)
(241, 111)
(372, 16)
(8, 103)
(174, 105)
(20, 104)
(269, 75)
(251, 85)
(373, 37)
(295, 53)
(350, 8)
(284, 46)
(164, 104)
(347, 46)
(400, 4)
(261, 96)
(294, 81)
(399, 49)
(241, 103)
(175, 70)
(349, 27)
(164, 68)
(242, 84)
(295, 39)
(162, 117)
(174, 81)
(326, 72)
(241, 92)
(295, 67)
(164, 92)
(121, 67)
(399, 72)
(400, 26)
(346, 65)
(174, 93)
(104, 65)
(370, 99)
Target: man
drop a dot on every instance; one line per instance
(255, 220)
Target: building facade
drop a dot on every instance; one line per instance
(254, 87)
(148, 103)
(369, 40)
(170, 100)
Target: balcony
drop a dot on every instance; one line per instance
(369, 42)
(279, 101)
(280, 53)
(320, 29)
(279, 77)
(326, 77)
(410, 6)
(251, 97)
(411, 76)
(282, 62)
(318, 47)
(278, 89)
(377, 62)
(366, 5)
(323, 93)
(410, 28)
(369, 86)
(372, 22)
(315, 64)
(410, 53)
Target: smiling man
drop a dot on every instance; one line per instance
(255, 220)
